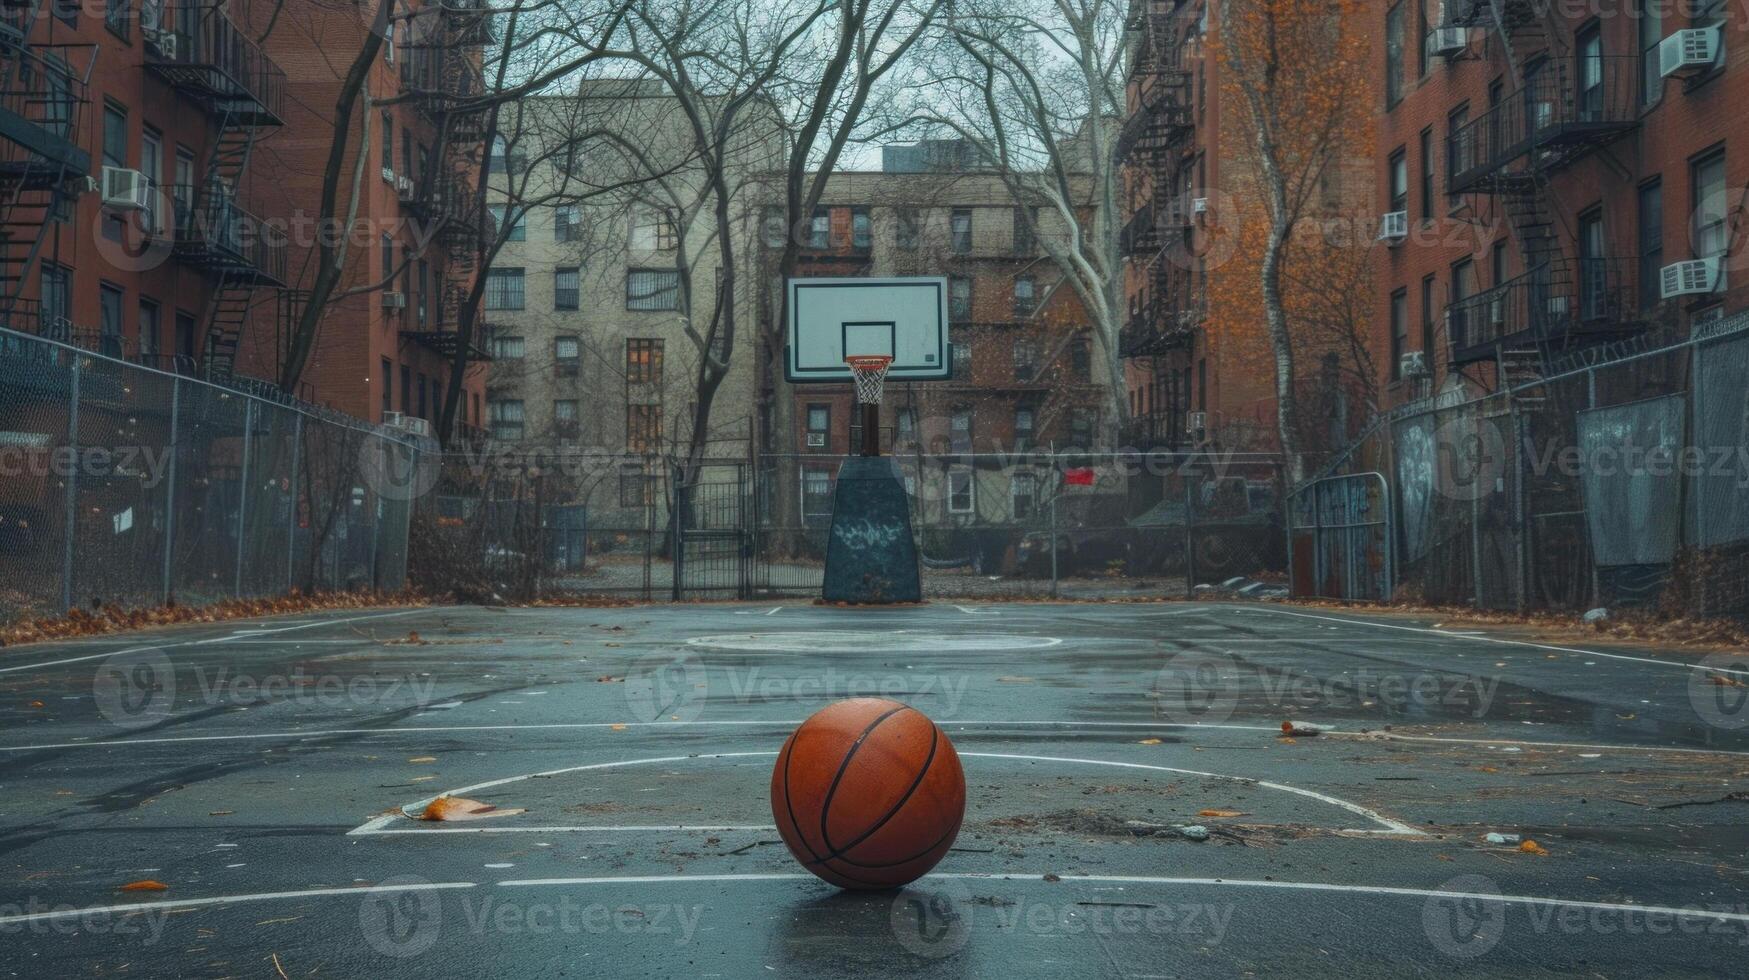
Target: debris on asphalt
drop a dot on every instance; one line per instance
(1195, 831)
(1532, 847)
(145, 885)
(1301, 728)
(1220, 813)
(1502, 838)
(459, 808)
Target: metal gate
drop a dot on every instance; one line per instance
(1339, 538)
(712, 536)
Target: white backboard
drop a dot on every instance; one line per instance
(832, 317)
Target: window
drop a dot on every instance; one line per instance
(505, 348)
(774, 233)
(1399, 177)
(504, 289)
(959, 298)
(905, 426)
(566, 223)
(1023, 494)
(420, 389)
(1651, 250)
(643, 428)
(960, 430)
(962, 361)
(959, 491)
(861, 229)
(652, 289)
(643, 359)
(1025, 359)
(148, 331)
(506, 158)
(1394, 55)
(816, 493)
(506, 419)
(1593, 296)
(388, 403)
(115, 17)
(1024, 420)
(567, 349)
(1081, 358)
(1427, 175)
(1588, 53)
(819, 426)
(636, 488)
(909, 228)
(565, 412)
(152, 167)
(1025, 240)
(820, 229)
(388, 261)
(1025, 289)
(517, 228)
(406, 390)
(407, 155)
(388, 141)
(653, 231)
(567, 288)
(1081, 424)
(1710, 206)
(1426, 26)
(1427, 320)
(1460, 147)
(961, 226)
(1463, 285)
(425, 290)
(1399, 331)
(182, 193)
(1651, 35)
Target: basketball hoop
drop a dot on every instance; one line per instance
(870, 374)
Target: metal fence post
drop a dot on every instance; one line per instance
(243, 495)
(1054, 496)
(291, 505)
(170, 491)
(1189, 537)
(70, 530)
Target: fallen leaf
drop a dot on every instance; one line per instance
(1052, 877)
(617, 727)
(423, 758)
(221, 813)
(1149, 741)
(1486, 769)
(1719, 679)
(1532, 847)
(37, 704)
(1220, 813)
(145, 885)
(457, 808)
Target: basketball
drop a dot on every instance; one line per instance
(868, 793)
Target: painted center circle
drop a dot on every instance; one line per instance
(867, 641)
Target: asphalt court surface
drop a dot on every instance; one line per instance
(266, 772)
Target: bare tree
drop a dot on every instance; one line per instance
(1037, 87)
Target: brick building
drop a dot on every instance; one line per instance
(1550, 180)
(1024, 376)
(161, 175)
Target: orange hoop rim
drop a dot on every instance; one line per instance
(868, 362)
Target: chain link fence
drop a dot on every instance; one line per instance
(1107, 525)
(1618, 480)
(126, 486)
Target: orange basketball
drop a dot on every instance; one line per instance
(868, 793)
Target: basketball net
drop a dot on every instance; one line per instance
(870, 373)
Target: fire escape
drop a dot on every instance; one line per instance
(1153, 144)
(199, 52)
(441, 69)
(42, 168)
(1568, 104)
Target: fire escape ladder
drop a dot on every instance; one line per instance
(233, 289)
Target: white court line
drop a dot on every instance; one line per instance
(1457, 635)
(222, 639)
(379, 828)
(1715, 915)
(189, 903)
(1390, 825)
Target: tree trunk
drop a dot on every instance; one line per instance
(1275, 315)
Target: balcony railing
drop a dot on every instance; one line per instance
(1564, 111)
(1161, 120)
(1553, 301)
(213, 231)
(193, 46)
(1140, 236)
(1157, 327)
(40, 102)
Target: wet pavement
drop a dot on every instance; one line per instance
(264, 771)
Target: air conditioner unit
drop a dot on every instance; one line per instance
(1199, 206)
(404, 185)
(394, 301)
(1394, 227)
(392, 419)
(1196, 421)
(1447, 42)
(126, 190)
(160, 41)
(415, 425)
(816, 440)
(1413, 364)
(388, 175)
(1694, 277)
(1691, 52)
